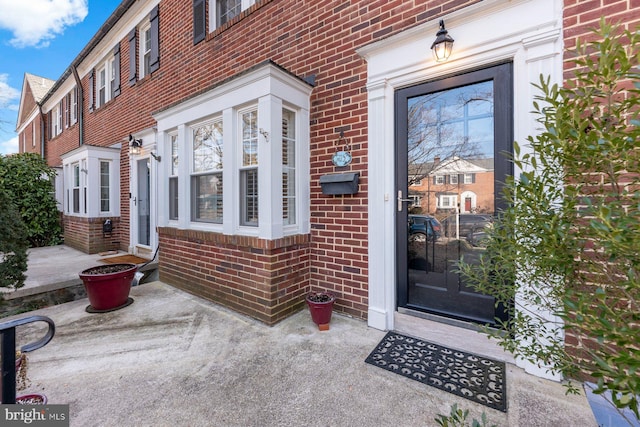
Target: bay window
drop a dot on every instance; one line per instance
(93, 182)
(246, 145)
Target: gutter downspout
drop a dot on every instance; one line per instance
(80, 105)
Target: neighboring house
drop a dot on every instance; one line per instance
(30, 124)
(454, 185)
(204, 129)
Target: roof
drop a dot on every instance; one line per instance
(39, 85)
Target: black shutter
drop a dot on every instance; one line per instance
(91, 97)
(133, 69)
(473, 178)
(154, 60)
(115, 90)
(199, 21)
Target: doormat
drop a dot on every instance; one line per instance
(132, 259)
(464, 374)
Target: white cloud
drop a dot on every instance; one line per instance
(36, 22)
(7, 93)
(9, 146)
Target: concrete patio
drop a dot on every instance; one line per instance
(173, 359)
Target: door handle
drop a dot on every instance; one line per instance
(135, 200)
(401, 200)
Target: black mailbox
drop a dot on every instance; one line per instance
(107, 227)
(340, 183)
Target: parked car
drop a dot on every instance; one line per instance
(425, 225)
(468, 223)
(478, 238)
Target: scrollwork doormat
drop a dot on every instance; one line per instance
(464, 374)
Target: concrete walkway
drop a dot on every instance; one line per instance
(173, 359)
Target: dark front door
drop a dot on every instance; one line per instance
(450, 138)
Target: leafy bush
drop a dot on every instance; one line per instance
(13, 245)
(570, 241)
(28, 181)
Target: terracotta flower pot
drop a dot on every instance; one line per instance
(108, 286)
(321, 306)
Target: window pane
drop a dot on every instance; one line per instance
(250, 138)
(288, 168)
(207, 201)
(227, 10)
(173, 198)
(249, 197)
(207, 147)
(104, 186)
(174, 155)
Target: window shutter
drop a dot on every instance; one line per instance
(133, 74)
(199, 21)
(91, 100)
(473, 178)
(154, 60)
(434, 180)
(115, 90)
(49, 126)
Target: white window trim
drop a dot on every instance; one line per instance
(248, 90)
(74, 106)
(89, 158)
(467, 178)
(440, 179)
(193, 173)
(107, 67)
(213, 12)
(33, 134)
(142, 72)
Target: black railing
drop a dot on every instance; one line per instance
(8, 352)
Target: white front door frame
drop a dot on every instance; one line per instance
(148, 147)
(526, 32)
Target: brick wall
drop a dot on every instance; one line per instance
(314, 37)
(85, 234)
(579, 19)
(265, 279)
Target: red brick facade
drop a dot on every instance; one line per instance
(86, 235)
(306, 38)
(266, 279)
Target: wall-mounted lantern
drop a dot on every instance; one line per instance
(443, 45)
(135, 145)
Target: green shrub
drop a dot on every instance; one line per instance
(28, 181)
(13, 245)
(568, 246)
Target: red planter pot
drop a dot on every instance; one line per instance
(321, 311)
(108, 291)
(32, 399)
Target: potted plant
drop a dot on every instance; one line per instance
(22, 382)
(108, 286)
(321, 306)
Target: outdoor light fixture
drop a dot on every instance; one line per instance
(135, 145)
(443, 45)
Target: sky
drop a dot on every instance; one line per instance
(40, 37)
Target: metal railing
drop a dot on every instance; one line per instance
(8, 352)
